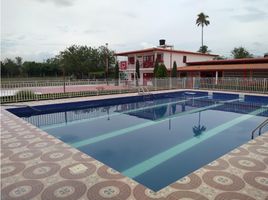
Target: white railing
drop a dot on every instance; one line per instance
(42, 90)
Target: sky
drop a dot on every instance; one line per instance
(40, 29)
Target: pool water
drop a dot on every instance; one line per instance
(157, 139)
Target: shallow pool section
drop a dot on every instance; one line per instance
(154, 139)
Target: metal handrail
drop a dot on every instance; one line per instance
(259, 127)
(145, 92)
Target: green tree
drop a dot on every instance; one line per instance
(240, 52)
(204, 49)
(81, 60)
(3, 70)
(32, 69)
(18, 61)
(74, 60)
(116, 73)
(11, 68)
(161, 71)
(137, 72)
(51, 67)
(202, 20)
(174, 69)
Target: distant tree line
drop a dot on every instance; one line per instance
(76, 61)
(87, 62)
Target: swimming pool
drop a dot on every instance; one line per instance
(155, 139)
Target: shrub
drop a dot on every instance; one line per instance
(156, 66)
(161, 71)
(174, 69)
(25, 94)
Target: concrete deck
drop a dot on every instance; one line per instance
(35, 165)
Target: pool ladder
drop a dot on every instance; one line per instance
(145, 92)
(259, 127)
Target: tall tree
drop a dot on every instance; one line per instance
(202, 20)
(174, 69)
(204, 49)
(156, 66)
(241, 52)
(137, 72)
(138, 68)
(18, 61)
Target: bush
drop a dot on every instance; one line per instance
(174, 69)
(156, 66)
(25, 94)
(161, 71)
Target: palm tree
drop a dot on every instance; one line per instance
(198, 130)
(202, 20)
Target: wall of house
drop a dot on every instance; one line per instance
(168, 59)
(179, 58)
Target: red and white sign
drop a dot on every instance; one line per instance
(123, 65)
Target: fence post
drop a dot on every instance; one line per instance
(236, 85)
(264, 85)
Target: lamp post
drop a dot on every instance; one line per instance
(170, 67)
(106, 63)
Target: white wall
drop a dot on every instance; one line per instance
(179, 58)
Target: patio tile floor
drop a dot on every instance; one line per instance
(35, 165)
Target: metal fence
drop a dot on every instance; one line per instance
(234, 84)
(18, 91)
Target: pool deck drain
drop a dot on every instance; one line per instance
(35, 165)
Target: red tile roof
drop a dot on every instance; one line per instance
(163, 50)
(230, 61)
(223, 67)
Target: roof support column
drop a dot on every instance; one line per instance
(216, 78)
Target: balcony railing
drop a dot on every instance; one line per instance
(148, 64)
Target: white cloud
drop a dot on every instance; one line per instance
(45, 27)
(58, 2)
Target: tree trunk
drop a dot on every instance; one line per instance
(64, 89)
(202, 37)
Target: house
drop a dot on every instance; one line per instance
(163, 54)
(230, 68)
(191, 64)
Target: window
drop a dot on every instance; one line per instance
(159, 57)
(184, 60)
(148, 58)
(183, 74)
(234, 74)
(131, 60)
(148, 61)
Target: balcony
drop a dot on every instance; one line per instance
(148, 64)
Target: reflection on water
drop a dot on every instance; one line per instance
(150, 110)
(199, 129)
